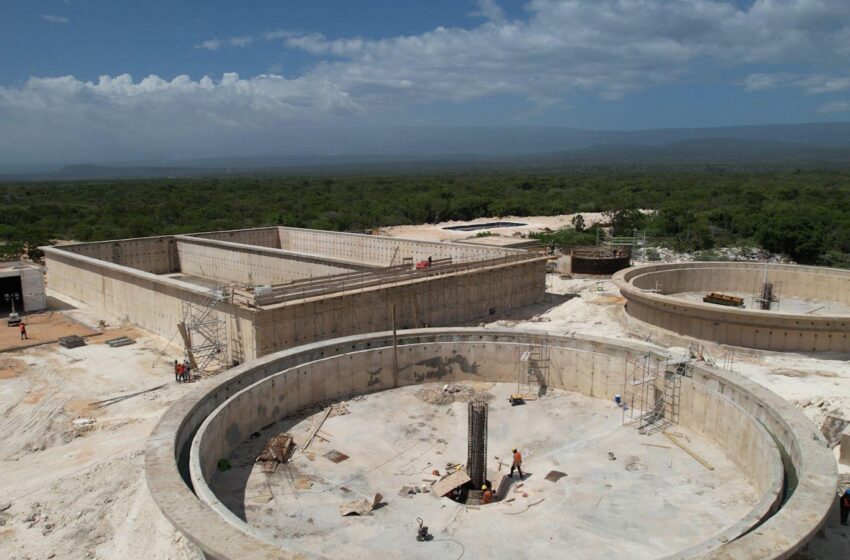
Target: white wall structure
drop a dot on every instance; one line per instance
(284, 286)
(31, 277)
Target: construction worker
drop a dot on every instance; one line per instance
(487, 496)
(23, 331)
(187, 370)
(517, 464)
(844, 504)
(176, 371)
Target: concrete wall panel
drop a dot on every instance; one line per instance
(379, 250)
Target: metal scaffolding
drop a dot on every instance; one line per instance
(648, 405)
(204, 332)
(533, 371)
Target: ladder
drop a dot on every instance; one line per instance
(533, 374)
(652, 408)
(667, 403)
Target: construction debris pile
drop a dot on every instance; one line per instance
(452, 392)
(277, 450)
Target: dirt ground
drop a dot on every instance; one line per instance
(42, 327)
(72, 473)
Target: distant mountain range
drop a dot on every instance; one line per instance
(376, 150)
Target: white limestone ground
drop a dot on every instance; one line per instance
(77, 490)
(646, 503)
(438, 232)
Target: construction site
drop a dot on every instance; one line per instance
(423, 393)
(237, 295)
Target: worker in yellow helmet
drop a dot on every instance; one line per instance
(487, 496)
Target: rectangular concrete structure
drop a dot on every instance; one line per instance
(283, 286)
(25, 281)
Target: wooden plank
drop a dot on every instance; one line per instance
(317, 428)
(687, 450)
(187, 342)
(449, 483)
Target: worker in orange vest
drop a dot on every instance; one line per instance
(844, 505)
(517, 464)
(23, 331)
(487, 496)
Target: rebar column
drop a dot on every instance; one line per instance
(476, 461)
(766, 296)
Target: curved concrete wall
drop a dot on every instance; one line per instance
(766, 330)
(742, 417)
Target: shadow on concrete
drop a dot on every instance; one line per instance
(54, 304)
(527, 313)
(230, 485)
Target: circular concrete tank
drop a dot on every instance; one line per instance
(810, 311)
(769, 442)
(603, 261)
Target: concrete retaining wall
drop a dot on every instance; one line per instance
(261, 237)
(152, 302)
(251, 265)
(441, 301)
(767, 330)
(157, 255)
(280, 383)
(377, 250)
(155, 302)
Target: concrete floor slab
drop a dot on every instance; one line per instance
(786, 304)
(651, 501)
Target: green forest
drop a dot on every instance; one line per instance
(803, 214)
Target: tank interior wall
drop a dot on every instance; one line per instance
(602, 265)
(579, 366)
(157, 255)
(441, 301)
(380, 250)
(147, 302)
(261, 237)
(794, 281)
(249, 266)
(766, 330)
(801, 516)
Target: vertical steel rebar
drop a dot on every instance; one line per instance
(476, 463)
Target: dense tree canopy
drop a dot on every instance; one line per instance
(805, 214)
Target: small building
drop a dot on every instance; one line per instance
(21, 287)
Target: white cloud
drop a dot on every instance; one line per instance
(564, 47)
(808, 83)
(554, 52)
(55, 19)
(490, 10)
(835, 107)
(118, 115)
(215, 44)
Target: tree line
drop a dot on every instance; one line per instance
(804, 214)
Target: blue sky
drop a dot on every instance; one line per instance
(114, 78)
